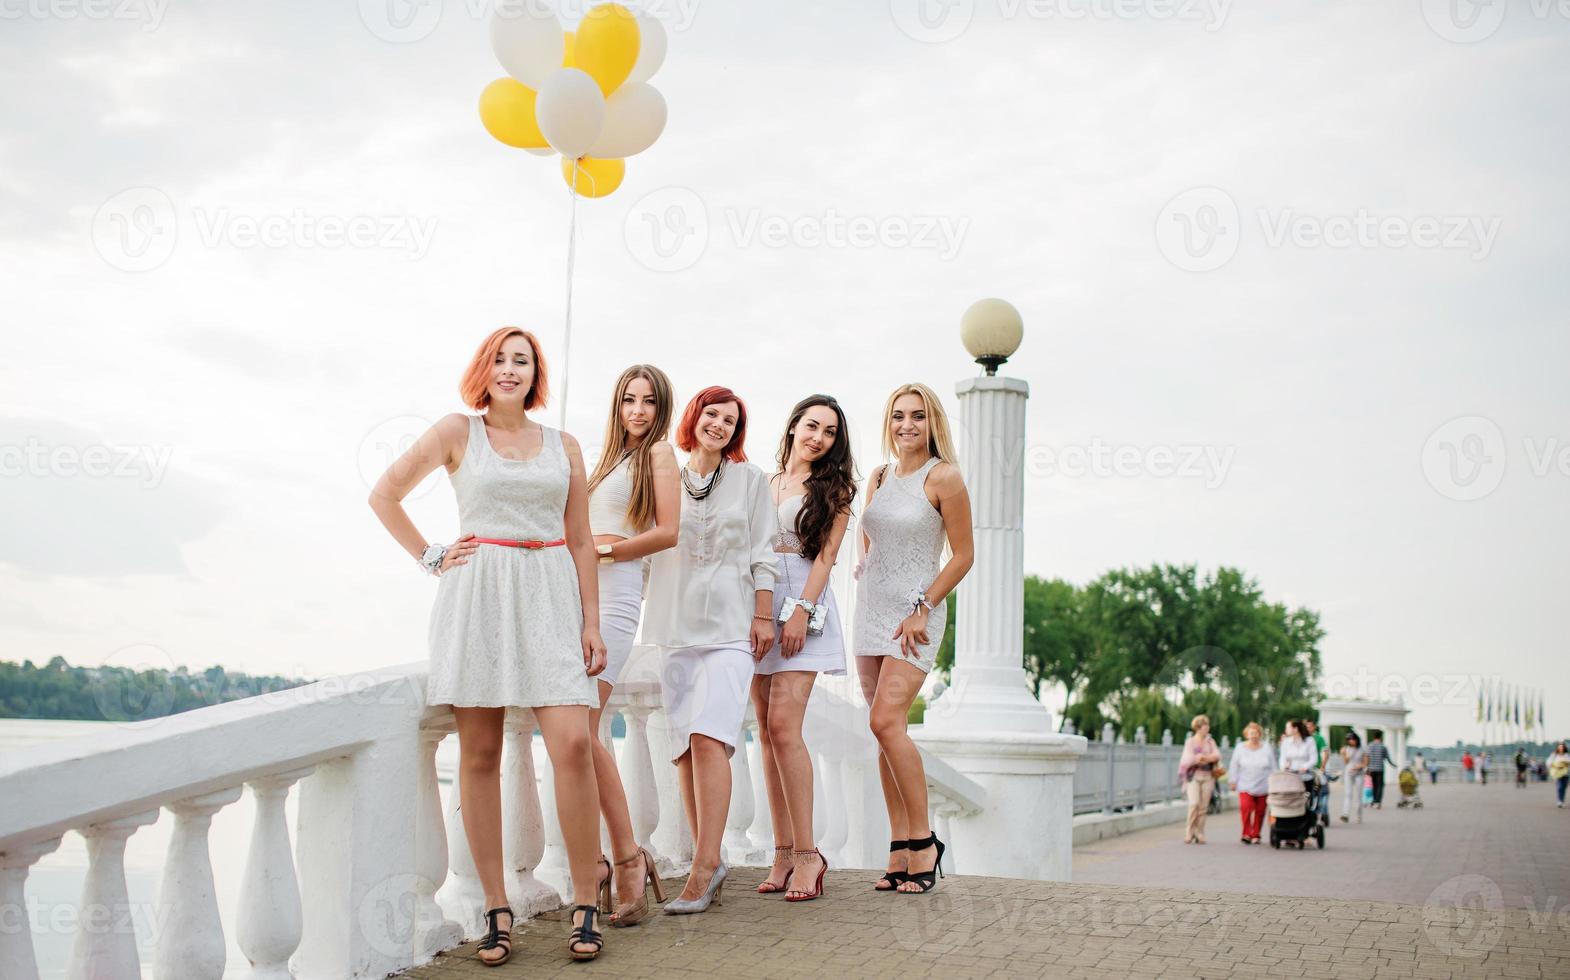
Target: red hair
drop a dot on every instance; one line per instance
(687, 428)
(474, 389)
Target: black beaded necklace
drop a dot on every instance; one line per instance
(700, 492)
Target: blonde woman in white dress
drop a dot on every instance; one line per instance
(516, 622)
(915, 505)
(634, 512)
(813, 491)
(710, 611)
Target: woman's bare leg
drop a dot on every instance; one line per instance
(779, 813)
(710, 768)
(867, 672)
(788, 696)
(898, 684)
(480, 797)
(566, 732)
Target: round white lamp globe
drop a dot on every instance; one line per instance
(991, 330)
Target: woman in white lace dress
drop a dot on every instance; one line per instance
(634, 512)
(915, 505)
(710, 611)
(516, 617)
(813, 492)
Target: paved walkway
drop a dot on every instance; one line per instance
(1508, 847)
(1201, 923)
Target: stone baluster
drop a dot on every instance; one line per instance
(761, 833)
(672, 837)
(461, 897)
(832, 805)
(637, 776)
(1139, 740)
(269, 920)
(16, 934)
(944, 810)
(738, 848)
(106, 939)
(191, 943)
(433, 931)
(1109, 739)
(526, 833)
(1169, 764)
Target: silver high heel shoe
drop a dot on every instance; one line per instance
(679, 906)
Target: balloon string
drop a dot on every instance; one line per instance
(572, 241)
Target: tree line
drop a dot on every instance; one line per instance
(1155, 646)
(60, 691)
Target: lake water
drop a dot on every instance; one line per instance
(54, 885)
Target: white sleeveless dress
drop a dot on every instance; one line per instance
(507, 628)
(621, 583)
(907, 537)
(826, 653)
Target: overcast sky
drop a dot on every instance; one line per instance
(1293, 278)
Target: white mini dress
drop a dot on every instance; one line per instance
(507, 628)
(907, 537)
(825, 653)
(621, 583)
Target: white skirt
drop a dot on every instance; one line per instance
(705, 692)
(824, 654)
(621, 606)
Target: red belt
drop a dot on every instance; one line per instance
(532, 545)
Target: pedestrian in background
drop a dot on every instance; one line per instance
(1377, 756)
(1559, 771)
(1197, 770)
(1252, 763)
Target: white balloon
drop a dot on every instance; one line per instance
(651, 48)
(527, 39)
(634, 119)
(570, 111)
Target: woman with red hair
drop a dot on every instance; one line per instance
(516, 622)
(710, 611)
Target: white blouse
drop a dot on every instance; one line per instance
(703, 591)
(1298, 754)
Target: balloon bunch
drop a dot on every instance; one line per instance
(582, 94)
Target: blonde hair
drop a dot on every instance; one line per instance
(1199, 720)
(939, 443)
(1256, 726)
(640, 505)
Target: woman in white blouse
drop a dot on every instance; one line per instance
(710, 611)
(1252, 763)
(1298, 752)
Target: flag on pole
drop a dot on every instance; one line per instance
(1518, 706)
(1540, 720)
(1480, 702)
(1490, 707)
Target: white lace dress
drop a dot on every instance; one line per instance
(507, 628)
(907, 537)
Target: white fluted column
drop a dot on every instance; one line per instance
(526, 831)
(738, 848)
(16, 932)
(105, 943)
(269, 918)
(761, 833)
(191, 946)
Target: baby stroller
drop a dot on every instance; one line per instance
(1292, 819)
(1408, 783)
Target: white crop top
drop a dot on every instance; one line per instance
(608, 503)
(786, 539)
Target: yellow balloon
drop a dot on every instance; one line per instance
(507, 110)
(607, 45)
(568, 39)
(595, 178)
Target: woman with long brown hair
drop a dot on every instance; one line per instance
(633, 513)
(812, 492)
(917, 503)
(516, 622)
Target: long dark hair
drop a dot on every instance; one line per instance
(832, 484)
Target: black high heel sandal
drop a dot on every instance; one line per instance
(927, 880)
(585, 934)
(894, 878)
(495, 938)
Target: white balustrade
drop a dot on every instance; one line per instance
(637, 775)
(672, 838)
(16, 937)
(738, 847)
(831, 776)
(191, 941)
(528, 826)
(105, 943)
(268, 930)
(461, 897)
(433, 931)
(761, 833)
